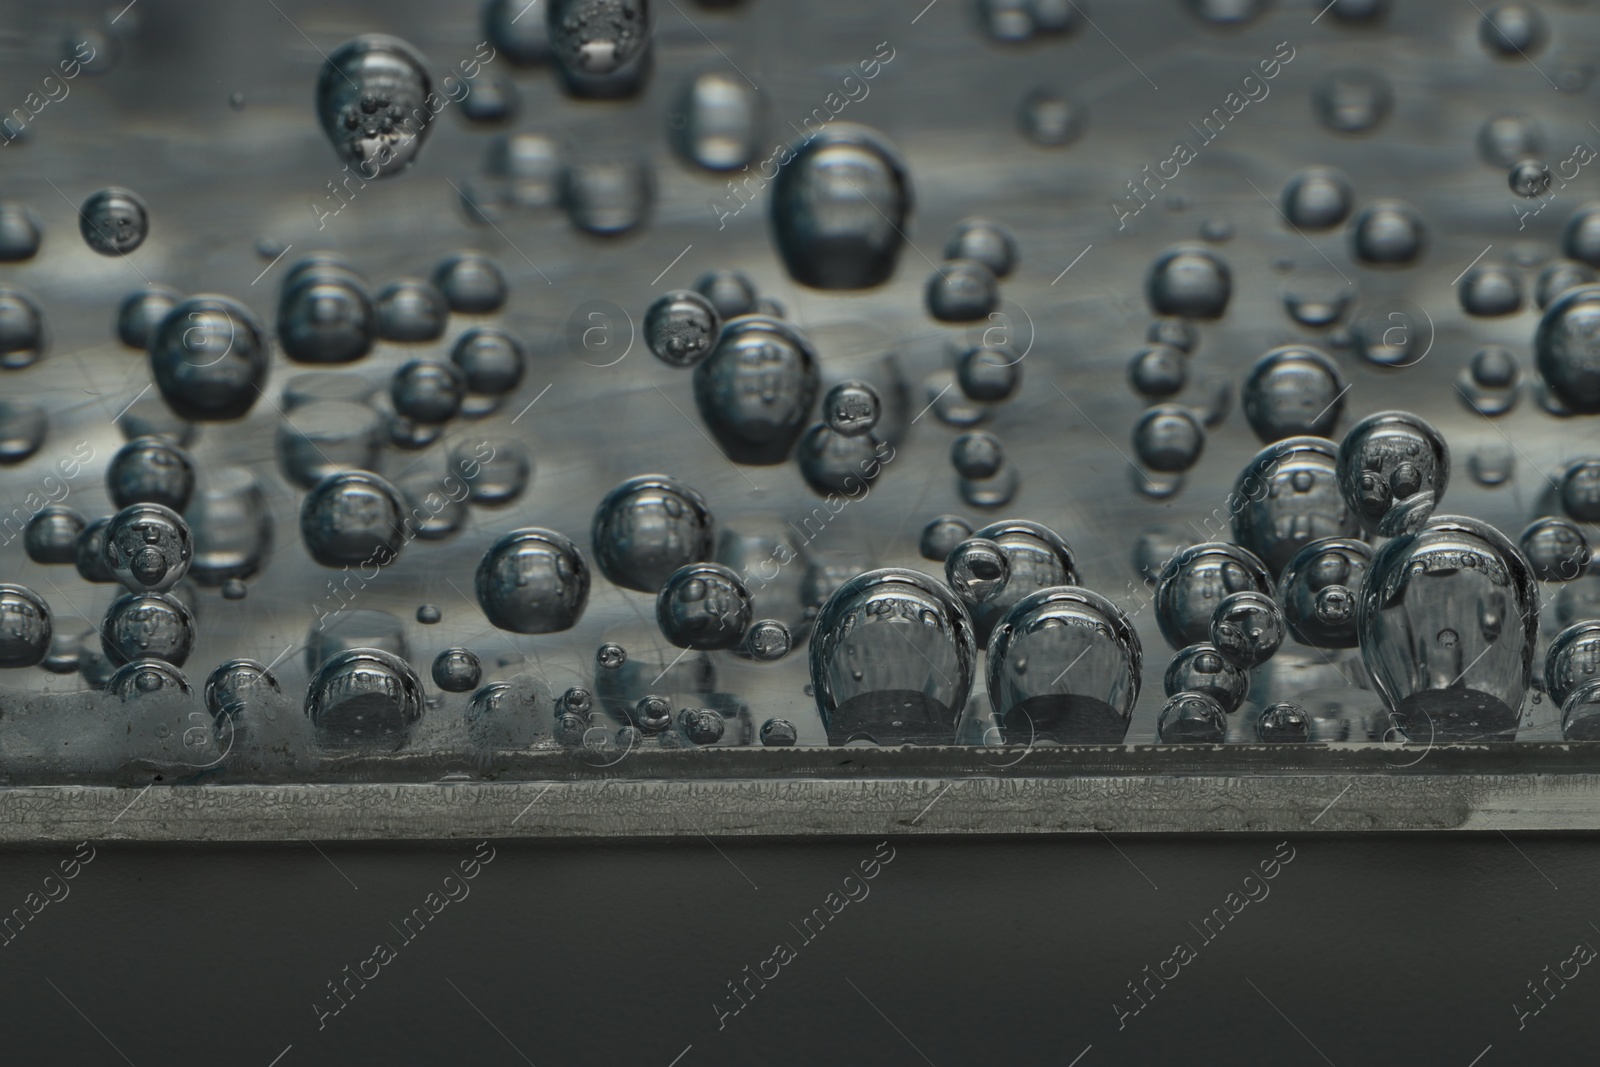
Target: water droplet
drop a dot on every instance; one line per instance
(681, 327)
(1201, 668)
(22, 329)
(648, 527)
(1557, 278)
(472, 283)
(892, 659)
(89, 554)
(147, 626)
(1387, 234)
(533, 581)
(26, 628)
(652, 714)
(51, 535)
(1195, 580)
(715, 122)
(610, 656)
(1352, 101)
(147, 547)
(371, 96)
(704, 606)
(411, 310)
(1512, 31)
(1318, 198)
(1283, 723)
(1529, 178)
(209, 358)
(144, 676)
(1169, 439)
(21, 233)
(352, 517)
(1393, 471)
(756, 389)
(729, 291)
(1490, 289)
(941, 535)
(1317, 591)
(234, 589)
(364, 697)
(701, 725)
(1505, 139)
(114, 221)
(1050, 120)
(1461, 575)
(607, 197)
(1567, 348)
(1247, 628)
(1158, 371)
(779, 733)
(1287, 497)
(150, 470)
(1091, 699)
(977, 569)
(1191, 718)
(839, 208)
(233, 686)
(141, 311)
(1292, 391)
(1189, 281)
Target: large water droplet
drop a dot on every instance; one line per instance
(533, 581)
(648, 527)
(1195, 581)
(756, 389)
(371, 102)
(1393, 471)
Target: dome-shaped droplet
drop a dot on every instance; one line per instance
(427, 391)
(1387, 234)
(147, 626)
(1393, 471)
(1201, 668)
(1189, 281)
(892, 658)
(988, 375)
(114, 221)
(89, 553)
(648, 527)
(834, 464)
(1556, 548)
(1352, 101)
(610, 656)
(371, 97)
(364, 698)
(411, 310)
(25, 627)
(233, 687)
(756, 389)
(716, 122)
(1040, 558)
(852, 408)
(1318, 591)
(779, 733)
(141, 677)
(977, 569)
(1504, 139)
(533, 581)
(1283, 722)
(20, 233)
(1158, 371)
(1580, 715)
(704, 606)
(491, 362)
(1063, 665)
(1566, 348)
(601, 47)
(767, 641)
(1168, 438)
(1247, 628)
(1488, 384)
(1448, 618)
(24, 426)
(209, 358)
(607, 196)
(326, 316)
(350, 518)
(518, 32)
(148, 547)
(1512, 31)
(51, 535)
(1318, 198)
(985, 241)
(1557, 278)
(1579, 490)
(840, 205)
(22, 329)
(729, 291)
(961, 290)
(1529, 178)
(1287, 497)
(1195, 581)
(703, 726)
(1292, 391)
(456, 670)
(941, 535)
(681, 327)
(1192, 718)
(977, 455)
(653, 713)
(149, 470)
(141, 311)
(514, 714)
(472, 283)
(1489, 290)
